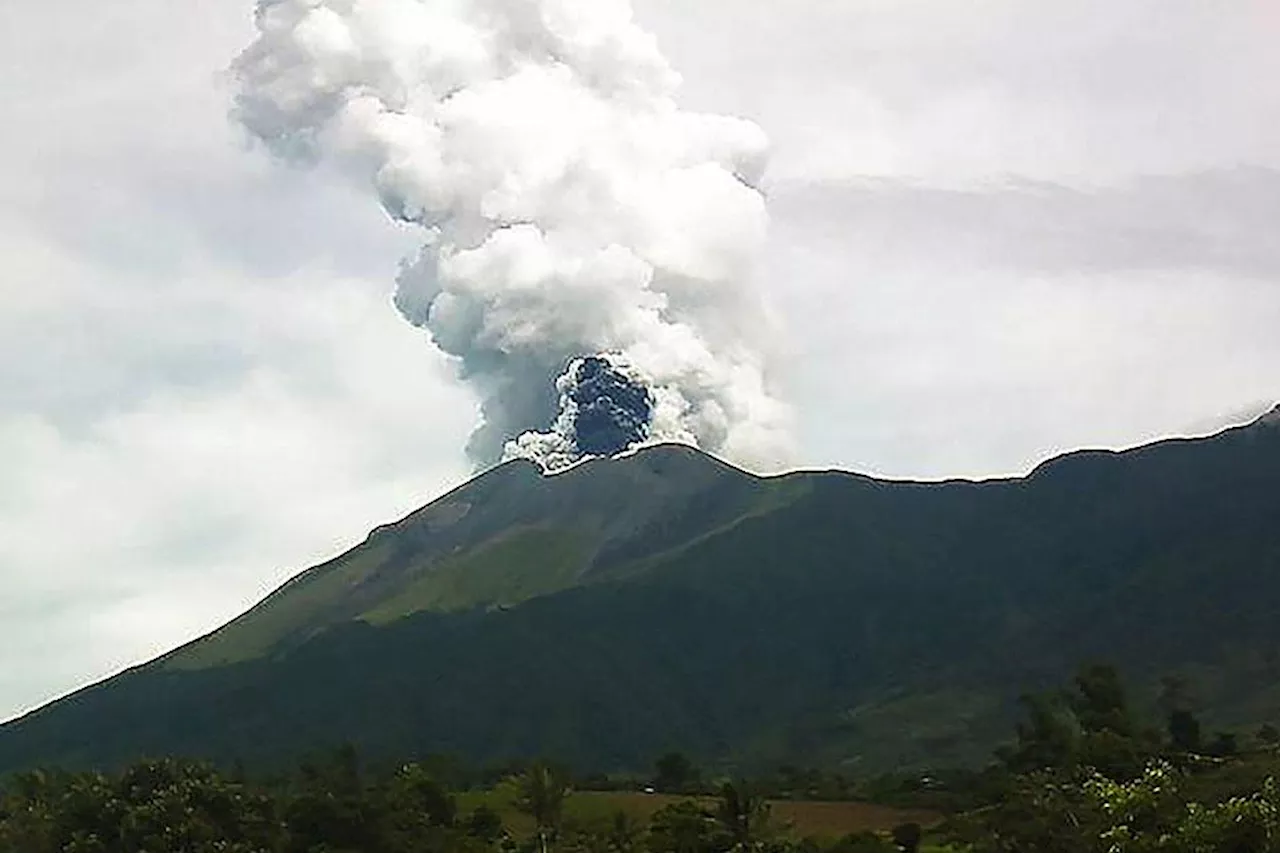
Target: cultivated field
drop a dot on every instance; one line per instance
(805, 818)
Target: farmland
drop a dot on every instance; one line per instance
(801, 818)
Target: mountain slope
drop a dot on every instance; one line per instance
(505, 537)
(666, 600)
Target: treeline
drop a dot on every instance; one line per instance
(1083, 773)
(1086, 774)
(336, 806)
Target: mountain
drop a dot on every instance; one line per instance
(666, 600)
(507, 536)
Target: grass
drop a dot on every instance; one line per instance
(515, 567)
(768, 496)
(803, 817)
(833, 820)
(296, 605)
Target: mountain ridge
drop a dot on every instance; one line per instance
(511, 501)
(667, 599)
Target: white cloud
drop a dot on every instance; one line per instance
(1001, 230)
(1058, 90)
(1006, 229)
(163, 519)
(1215, 221)
(946, 332)
(203, 385)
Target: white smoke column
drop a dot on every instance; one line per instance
(569, 206)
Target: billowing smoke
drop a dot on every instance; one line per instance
(604, 410)
(587, 245)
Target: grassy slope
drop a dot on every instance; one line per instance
(297, 607)
(861, 623)
(518, 566)
(505, 538)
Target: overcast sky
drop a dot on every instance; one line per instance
(1001, 230)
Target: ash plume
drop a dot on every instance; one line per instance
(604, 410)
(587, 245)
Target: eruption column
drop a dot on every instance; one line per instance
(587, 244)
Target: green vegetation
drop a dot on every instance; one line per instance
(822, 819)
(1085, 773)
(668, 602)
(1088, 775)
(508, 536)
(297, 608)
(336, 804)
(519, 566)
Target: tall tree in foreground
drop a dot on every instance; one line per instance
(684, 827)
(1049, 736)
(744, 815)
(543, 790)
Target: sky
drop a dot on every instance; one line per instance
(1000, 230)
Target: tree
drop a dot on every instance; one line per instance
(1269, 734)
(1049, 737)
(1100, 703)
(744, 816)
(153, 805)
(27, 813)
(1176, 694)
(485, 824)
(1110, 741)
(415, 810)
(1240, 824)
(414, 789)
(684, 827)
(675, 772)
(1184, 731)
(908, 836)
(1225, 745)
(543, 790)
(331, 806)
(1151, 814)
(624, 833)
(1045, 811)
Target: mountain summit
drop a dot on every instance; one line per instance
(509, 535)
(667, 600)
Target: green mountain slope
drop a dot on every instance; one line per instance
(669, 601)
(508, 536)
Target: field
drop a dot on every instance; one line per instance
(805, 818)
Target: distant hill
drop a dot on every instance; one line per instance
(667, 600)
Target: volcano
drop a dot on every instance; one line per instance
(666, 600)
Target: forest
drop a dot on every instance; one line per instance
(1082, 773)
